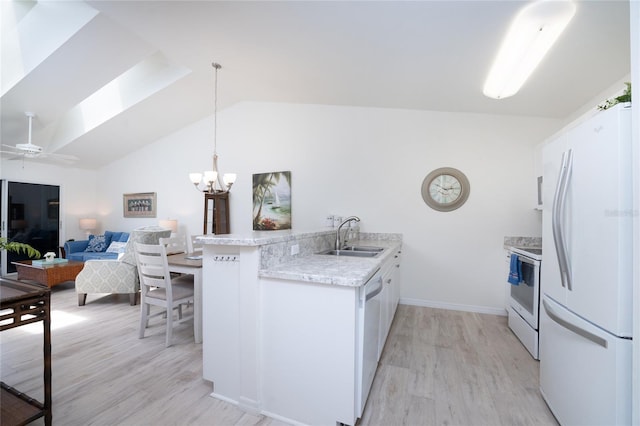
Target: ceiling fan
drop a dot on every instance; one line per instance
(31, 151)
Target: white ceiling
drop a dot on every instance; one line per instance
(425, 55)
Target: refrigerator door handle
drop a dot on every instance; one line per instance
(572, 327)
(555, 216)
(563, 235)
(559, 203)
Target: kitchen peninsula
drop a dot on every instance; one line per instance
(293, 334)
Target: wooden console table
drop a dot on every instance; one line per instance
(24, 303)
(48, 275)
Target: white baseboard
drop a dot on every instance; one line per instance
(254, 409)
(454, 306)
(250, 406)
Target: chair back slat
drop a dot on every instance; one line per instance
(153, 268)
(174, 245)
(193, 245)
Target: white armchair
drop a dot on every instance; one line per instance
(117, 276)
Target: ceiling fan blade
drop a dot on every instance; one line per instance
(40, 157)
(59, 157)
(36, 153)
(32, 152)
(11, 155)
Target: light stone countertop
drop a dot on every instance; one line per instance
(533, 242)
(334, 270)
(257, 238)
(311, 267)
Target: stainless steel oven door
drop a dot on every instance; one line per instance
(525, 297)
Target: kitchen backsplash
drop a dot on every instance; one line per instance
(274, 254)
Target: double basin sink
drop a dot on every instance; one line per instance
(355, 251)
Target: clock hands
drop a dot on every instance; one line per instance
(451, 188)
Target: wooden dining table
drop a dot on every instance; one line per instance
(191, 263)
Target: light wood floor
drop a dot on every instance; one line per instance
(438, 368)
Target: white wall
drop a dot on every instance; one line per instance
(343, 160)
(77, 190)
(163, 168)
(363, 161)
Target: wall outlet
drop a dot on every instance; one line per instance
(295, 249)
(328, 221)
(337, 220)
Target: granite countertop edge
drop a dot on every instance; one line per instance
(522, 242)
(258, 238)
(333, 270)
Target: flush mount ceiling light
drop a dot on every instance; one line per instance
(532, 33)
(210, 178)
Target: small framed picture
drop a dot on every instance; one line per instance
(142, 204)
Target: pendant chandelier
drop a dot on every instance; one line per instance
(210, 178)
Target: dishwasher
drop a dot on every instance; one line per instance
(369, 321)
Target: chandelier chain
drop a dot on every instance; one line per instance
(216, 66)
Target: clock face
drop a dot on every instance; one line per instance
(445, 189)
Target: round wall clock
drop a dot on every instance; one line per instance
(445, 189)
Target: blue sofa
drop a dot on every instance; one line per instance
(96, 247)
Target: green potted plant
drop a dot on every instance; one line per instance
(625, 97)
(18, 247)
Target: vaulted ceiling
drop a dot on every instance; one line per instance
(107, 77)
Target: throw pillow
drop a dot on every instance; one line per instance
(97, 244)
(110, 236)
(116, 247)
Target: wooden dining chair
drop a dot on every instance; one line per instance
(158, 288)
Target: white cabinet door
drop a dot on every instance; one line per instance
(396, 282)
(537, 176)
(388, 298)
(386, 313)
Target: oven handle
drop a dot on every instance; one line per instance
(525, 259)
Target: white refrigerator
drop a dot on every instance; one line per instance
(586, 279)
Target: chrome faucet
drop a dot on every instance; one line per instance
(347, 220)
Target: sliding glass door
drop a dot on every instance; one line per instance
(31, 215)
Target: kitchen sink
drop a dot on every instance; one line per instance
(364, 248)
(351, 253)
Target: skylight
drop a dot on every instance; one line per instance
(32, 31)
(138, 83)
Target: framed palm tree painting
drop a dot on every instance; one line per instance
(271, 201)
